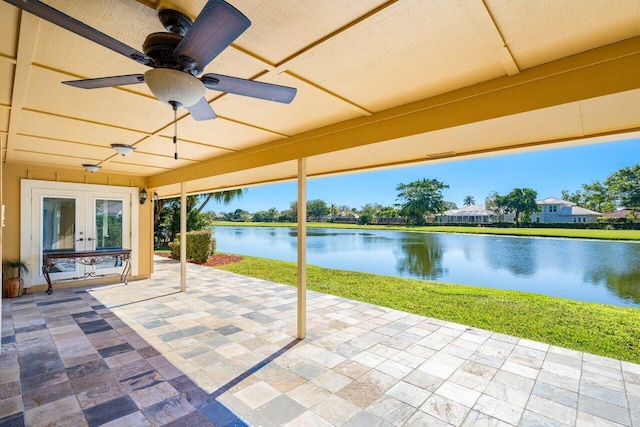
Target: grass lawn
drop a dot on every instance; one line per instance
(530, 232)
(600, 329)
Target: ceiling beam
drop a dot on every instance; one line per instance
(29, 25)
(284, 65)
(611, 69)
(485, 20)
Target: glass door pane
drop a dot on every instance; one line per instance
(59, 218)
(108, 227)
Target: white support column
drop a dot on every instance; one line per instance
(302, 248)
(183, 236)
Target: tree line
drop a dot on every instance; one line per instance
(417, 203)
(620, 189)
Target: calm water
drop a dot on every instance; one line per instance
(587, 270)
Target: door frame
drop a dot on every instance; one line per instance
(28, 211)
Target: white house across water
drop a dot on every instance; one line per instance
(553, 209)
(473, 214)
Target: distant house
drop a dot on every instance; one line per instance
(622, 215)
(352, 219)
(553, 209)
(472, 214)
(390, 220)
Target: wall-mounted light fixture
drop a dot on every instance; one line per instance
(155, 197)
(143, 196)
(123, 149)
(91, 168)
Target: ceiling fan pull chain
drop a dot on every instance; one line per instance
(175, 131)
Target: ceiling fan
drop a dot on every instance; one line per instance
(176, 57)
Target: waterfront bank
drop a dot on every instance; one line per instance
(569, 233)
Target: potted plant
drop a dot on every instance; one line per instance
(14, 285)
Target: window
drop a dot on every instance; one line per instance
(553, 208)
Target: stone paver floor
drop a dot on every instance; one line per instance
(224, 353)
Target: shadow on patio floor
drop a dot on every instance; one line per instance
(225, 353)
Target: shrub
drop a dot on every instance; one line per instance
(365, 219)
(200, 244)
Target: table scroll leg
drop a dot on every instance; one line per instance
(127, 269)
(45, 272)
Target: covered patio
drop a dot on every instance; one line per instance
(225, 352)
(379, 84)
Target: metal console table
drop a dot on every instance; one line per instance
(120, 257)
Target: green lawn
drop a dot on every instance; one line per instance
(600, 329)
(531, 232)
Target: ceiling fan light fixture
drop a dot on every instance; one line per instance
(169, 85)
(91, 168)
(123, 149)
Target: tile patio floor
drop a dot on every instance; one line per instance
(224, 353)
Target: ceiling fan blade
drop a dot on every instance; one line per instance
(214, 29)
(60, 19)
(201, 110)
(129, 79)
(251, 88)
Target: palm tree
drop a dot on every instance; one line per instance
(221, 196)
(469, 200)
(224, 197)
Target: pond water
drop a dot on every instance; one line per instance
(588, 270)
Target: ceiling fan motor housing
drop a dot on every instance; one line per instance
(160, 47)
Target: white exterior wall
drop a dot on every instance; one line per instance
(547, 214)
(561, 214)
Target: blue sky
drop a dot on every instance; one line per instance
(548, 172)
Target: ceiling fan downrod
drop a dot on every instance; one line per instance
(175, 106)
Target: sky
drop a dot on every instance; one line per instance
(548, 172)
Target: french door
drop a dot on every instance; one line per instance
(81, 218)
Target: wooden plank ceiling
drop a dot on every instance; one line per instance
(380, 84)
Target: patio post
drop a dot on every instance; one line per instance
(302, 248)
(183, 236)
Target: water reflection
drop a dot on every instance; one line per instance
(625, 285)
(621, 274)
(421, 257)
(598, 271)
(321, 241)
(516, 255)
